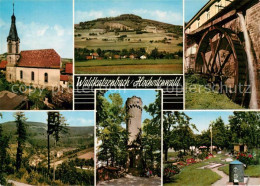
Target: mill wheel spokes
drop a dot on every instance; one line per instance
(221, 58)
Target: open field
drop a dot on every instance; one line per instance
(109, 41)
(126, 66)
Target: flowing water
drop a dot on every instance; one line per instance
(250, 59)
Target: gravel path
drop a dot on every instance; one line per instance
(133, 181)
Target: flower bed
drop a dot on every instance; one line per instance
(169, 171)
(245, 158)
(190, 161)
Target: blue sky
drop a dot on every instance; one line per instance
(40, 24)
(147, 96)
(79, 118)
(202, 119)
(192, 7)
(168, 11)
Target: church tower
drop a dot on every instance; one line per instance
(13, 50)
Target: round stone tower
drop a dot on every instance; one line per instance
(134, 121)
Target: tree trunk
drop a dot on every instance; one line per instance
(166, 153)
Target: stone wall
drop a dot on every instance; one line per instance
(53, 77)
(253, 24)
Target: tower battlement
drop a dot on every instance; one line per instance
(134, 106)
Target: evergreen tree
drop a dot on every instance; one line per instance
(4, 158)
(20, 120)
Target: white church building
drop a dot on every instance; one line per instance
(40, 68)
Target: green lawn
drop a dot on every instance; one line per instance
(252, 170)
(199, 97)
(127, 66)
(192, 176)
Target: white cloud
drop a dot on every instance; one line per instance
(80, 122)
(43, 36)
(112, 13)
(159, 15)
(42, 30)
(59, 30)
(87, 16)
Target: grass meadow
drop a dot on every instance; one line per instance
(132, 40)
(128, 66)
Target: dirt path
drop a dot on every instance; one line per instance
(15, 183)
(87, 155)
(133, 181)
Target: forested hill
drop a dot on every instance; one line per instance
(37, 134)
(130, 22)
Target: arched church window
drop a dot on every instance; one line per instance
(32, 76)
(46, 77)
(21, 74)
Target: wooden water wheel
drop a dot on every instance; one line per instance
(221, 59)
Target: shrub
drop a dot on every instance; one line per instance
(203, 155)
(245, 158)
(195, 79)
(169, 171)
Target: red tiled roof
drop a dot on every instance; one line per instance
(117, 56)
(88, 57)
(95, 54)
(64, 78)
(3, 64)
(69, 68)
(46, 58)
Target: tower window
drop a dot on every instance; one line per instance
(46, 77)
(32, 76)
(21, 74)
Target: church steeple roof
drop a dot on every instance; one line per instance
(13, 35)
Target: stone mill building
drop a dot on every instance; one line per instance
(222, 44)
(134, 122)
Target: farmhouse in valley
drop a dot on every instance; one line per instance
(40, 68)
